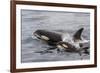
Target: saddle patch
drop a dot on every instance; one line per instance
(64, 45)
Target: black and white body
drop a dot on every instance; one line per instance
(67, 43)
(50, 37)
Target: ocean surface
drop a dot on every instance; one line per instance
(61, 22)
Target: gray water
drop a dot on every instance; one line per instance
(62, 22)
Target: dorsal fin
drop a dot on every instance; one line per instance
(77, 35)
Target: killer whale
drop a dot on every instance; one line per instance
(65, 46)
(55, 39)
(50, 37)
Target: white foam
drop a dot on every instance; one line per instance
(68, 38)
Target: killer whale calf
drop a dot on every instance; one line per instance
(67, 47)
(66, 43)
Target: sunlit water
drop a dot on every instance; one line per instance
(62, 22)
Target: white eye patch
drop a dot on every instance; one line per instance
(65, 46)
(44, 37)
(59, 46)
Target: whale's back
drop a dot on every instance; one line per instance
(53, 37)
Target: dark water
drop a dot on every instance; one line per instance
(62, 22)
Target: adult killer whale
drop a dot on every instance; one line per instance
(71, 44)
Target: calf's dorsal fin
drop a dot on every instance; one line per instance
(77, 35)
